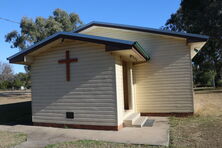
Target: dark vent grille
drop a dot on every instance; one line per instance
(70, 115)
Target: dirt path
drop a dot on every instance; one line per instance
(8, 97)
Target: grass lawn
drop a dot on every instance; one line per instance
(189, 132)
(196, 132)
(9, 139)
(96, 144)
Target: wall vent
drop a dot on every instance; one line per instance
(69, 115)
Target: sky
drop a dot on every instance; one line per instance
(146, 13)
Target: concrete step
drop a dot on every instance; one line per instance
(140, 122)
(130, 120)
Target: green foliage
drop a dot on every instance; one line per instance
(202, 17)
(204, 78)
(219, 82)
(36, 30)
(5, 84)
(22, 79)
(17, 80)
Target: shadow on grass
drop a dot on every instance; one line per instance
(16, 113)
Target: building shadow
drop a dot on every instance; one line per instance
(16, 114)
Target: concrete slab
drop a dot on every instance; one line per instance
(41, 136)
(159, 119)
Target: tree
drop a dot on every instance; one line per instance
(40, 28)
(22, 79)
(8, 80)
(202, 17)
(6, 72)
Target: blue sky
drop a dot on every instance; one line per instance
(147, 13)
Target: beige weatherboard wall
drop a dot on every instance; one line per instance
(163, 84)
(90, 94)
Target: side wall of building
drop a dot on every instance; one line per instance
(164, 84)
(90, 94)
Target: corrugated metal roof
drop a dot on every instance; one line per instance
(143, 29)
(82, 37)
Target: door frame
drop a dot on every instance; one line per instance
(126, 89)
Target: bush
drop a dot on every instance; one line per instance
(18, 80)
(219, 83)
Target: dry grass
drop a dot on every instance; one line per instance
(196, 132)
(8, 139)
(97, 144)
(8, 97)
(208, 103)
(204, 130)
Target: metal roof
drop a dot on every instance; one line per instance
(82, 37)
(195, 37)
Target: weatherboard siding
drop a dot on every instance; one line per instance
(90, 93)
(164, 84)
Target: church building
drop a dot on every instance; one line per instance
(107, 76)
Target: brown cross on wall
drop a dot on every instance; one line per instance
(67, 61)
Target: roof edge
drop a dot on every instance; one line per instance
(82, 37)
(198, 37)
(141, 50)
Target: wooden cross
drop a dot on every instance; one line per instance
(67, 61)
